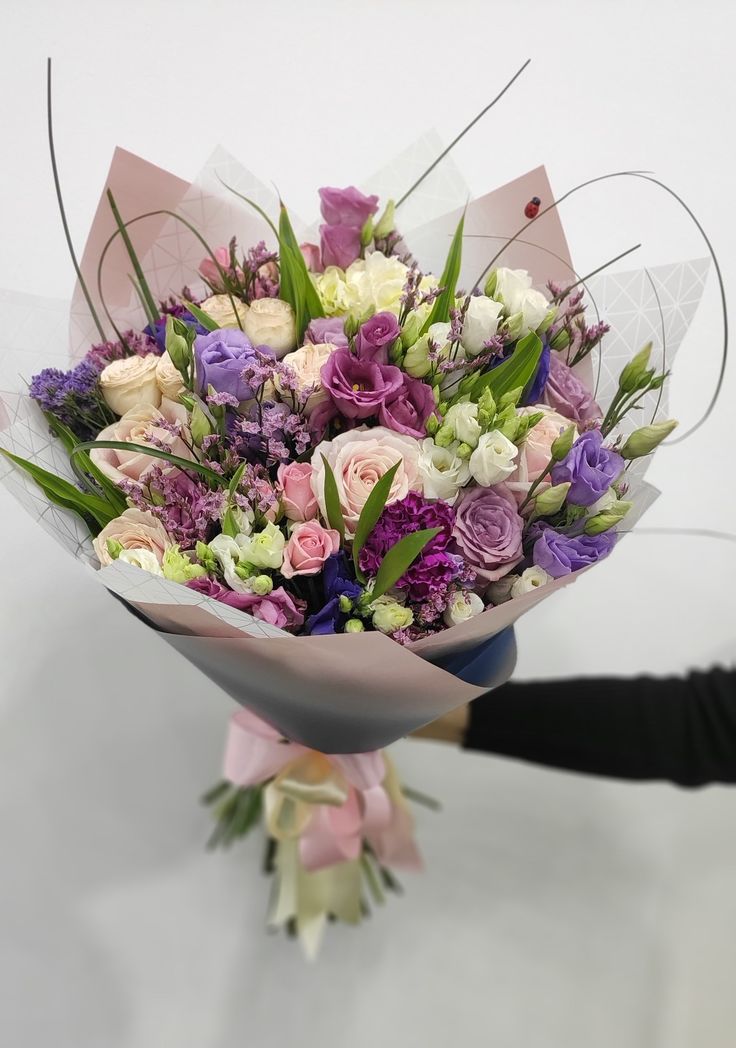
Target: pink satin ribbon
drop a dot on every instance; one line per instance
(255, 753)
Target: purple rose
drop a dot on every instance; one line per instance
(358, 388)
(327, 329)
(376, 336)
(560, 554)
(488, 531)
(220, 358)
(409, 409)
(567, 394)
(589, 468)
(340, 245)
(346, 207)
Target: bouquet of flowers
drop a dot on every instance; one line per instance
(332, 471)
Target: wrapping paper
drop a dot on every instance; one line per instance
(346, 693)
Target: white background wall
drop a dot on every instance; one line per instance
(556, 910)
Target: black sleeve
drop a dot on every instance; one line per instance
(682, 729)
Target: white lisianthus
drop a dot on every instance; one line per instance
(389, 615)
(480, 324)
(416, 361)
(521, 301)
(463, 606)
(141, 558)
(493, 459)
(243, 518)
(441, 471)
(529, 580)
(462, 418)
(227, 554)
(265, 549)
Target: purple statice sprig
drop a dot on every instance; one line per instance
(185, 505)
(131, 344)
(73, 398)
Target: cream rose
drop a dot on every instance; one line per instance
(130, 382)
(220, 308)
(360, 457)
(142, 425)
(270, 322)
(306, 363)
(135, 529)
(169, 378)
(535, 451)
(463, 605)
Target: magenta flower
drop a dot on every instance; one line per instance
(410, 408)
(347, 207)
(376, 337)
(358, 388)
(340, 245)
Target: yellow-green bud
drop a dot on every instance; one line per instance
(410, 330)
(114, 548)
(643, 441)
(432, 425)
(464, 451)
(177, 345)
(444, 436)
(177, 567)
(607, 518)
(632, 375)
(354, 626)
(388, 616)
(261, 585)
(548, 320)
(416, 359)
(385, 224)
(514, 326)
(205, 556)
(352, 325)
(490, 288)
(366, 233)
(244, 570)
(200, 426)
(561, 447)
(346, 604)
(551, 500)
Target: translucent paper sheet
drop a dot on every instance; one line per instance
(344, 693)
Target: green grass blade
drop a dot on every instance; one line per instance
(142, 449)
(332, 502)
(372, 510)
(448, 281)
(399, 558)
(63, 493)
(516, 372)
(251, 203)
(200, 316)
(152, 310)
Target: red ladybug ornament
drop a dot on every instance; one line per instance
(532, 208)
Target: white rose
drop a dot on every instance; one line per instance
(463, 606)
(463, 419)
(360, 457)
(530, 580)
(162, 427)
(306, 363)
(441, 472)
(131, 383)
(480, 324)
(169, 378)
(220, 308)
(142, 558)
(270, 322)
(493, 459)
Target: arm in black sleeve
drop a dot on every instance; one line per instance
(682, 729)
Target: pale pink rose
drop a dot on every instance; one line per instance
(358, 458)
(297, 497)
(535, 451)
(148, 426)
(309, 546)
(133, 529)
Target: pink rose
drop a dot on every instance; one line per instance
(360, 457)
(157, 427)
(297, 497)
(309, 546)
(534, 453)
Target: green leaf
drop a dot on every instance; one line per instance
(144, 449)
(448, 281)
(62, 493)
(332, 501)
(199, 315)
(515, 373)
(372, 510)
(147, 298)
(251, 203)
(229, 527)
(399, 558)
(296, 284)
(107, 488)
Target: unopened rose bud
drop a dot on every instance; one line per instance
(607, 518)
(643, 441)
(631, 376)
(551, 500)
(561, 447)
(354, 626)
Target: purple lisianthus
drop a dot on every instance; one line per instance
(209, 587)
(327, 329)
(589, 468)
(338, 583)
(407, 412)
(376, 337)
(436, 565)
(560, 554)
(358, 388)
(565, 393)
(340, 245)
(348, 207)
(277, 608)
(221, 357)
(488, 531)
(536, 390)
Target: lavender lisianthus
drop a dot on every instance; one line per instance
(408, 410)
(347, 206)
(221, 357)
(566, 394)
(340, 245)
(327, 329)
(589, 468)
(358, 388)
(560, 554)
(376, 336)
(338, 582)
(436, 565)
(488, 531)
